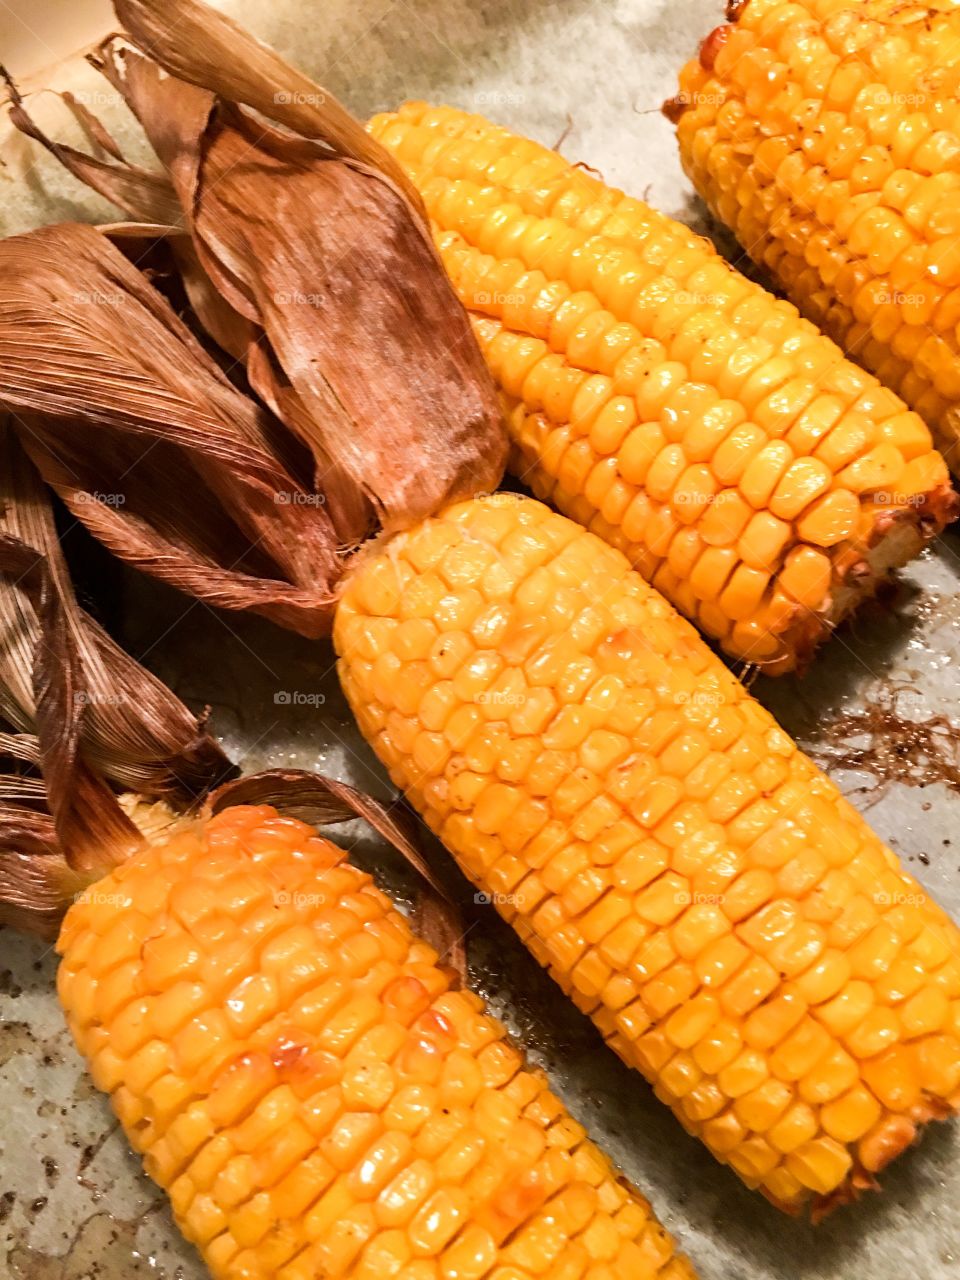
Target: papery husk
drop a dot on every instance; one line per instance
(308, 259)
(204, 47)
(98, 135)
(97, 715)
(88, 715)
(443, 927)
(370, 357)
(145, 439)
(138, 82)
(90, 826)
(146, 195)
(131, 727)
(36, 881)
(313, 263)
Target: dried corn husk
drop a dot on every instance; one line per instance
(144, 438)
(131, 728)
(36, 880)
(312, 262)
(145, 194)
(142, 433)
(85, 712)
(95, 715)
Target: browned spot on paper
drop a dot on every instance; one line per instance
(916, 753)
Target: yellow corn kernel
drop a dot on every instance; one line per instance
(851, 1116)
(797, 1126)
(857, 218)
(830, 519)
(806, 576)
(820, 1164)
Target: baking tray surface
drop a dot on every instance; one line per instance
(878, 707)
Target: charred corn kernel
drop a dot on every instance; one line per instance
(729, 921)
(824, 136)
(325, 1122)
(653, 393)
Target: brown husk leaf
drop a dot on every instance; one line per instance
(144, 438)
(371, 357)
(139, 82)
(309, 259)
(312, 262)
(36, 881)
(144, 195)
(88, 821)
(131, 727)
(86, 712)
(442, 926)
(204, 47)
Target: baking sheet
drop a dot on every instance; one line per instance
(73, 1203)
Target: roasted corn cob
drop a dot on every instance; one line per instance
(826, 133)
(699, 887)
(300, 1076)
(755, 476)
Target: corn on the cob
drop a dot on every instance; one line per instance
(826, 134)
(315, 1097)
(756, 477)
(699, 887)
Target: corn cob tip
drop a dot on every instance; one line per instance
(897, 537)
